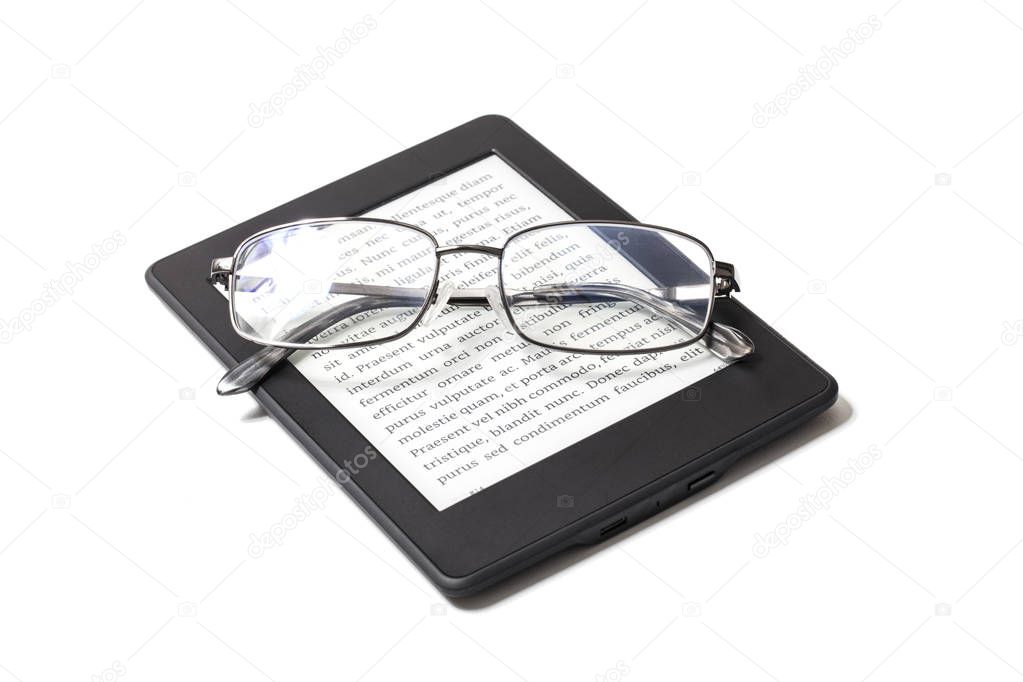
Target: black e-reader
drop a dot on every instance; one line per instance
(479, 453)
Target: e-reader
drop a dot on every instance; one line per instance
(477, 452)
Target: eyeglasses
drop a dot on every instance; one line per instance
(599, 287)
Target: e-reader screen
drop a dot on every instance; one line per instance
(462, 403)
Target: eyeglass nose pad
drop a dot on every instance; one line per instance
(493, 295)
(444, 292)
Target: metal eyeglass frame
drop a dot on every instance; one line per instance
(724, 341)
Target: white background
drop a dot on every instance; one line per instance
(128, 504)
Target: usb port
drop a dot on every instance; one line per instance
(612, 527)
(702, 481)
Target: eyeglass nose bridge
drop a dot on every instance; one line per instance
(470, 297)
(470, 248)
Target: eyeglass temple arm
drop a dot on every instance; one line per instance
(726, 342)
(248, 373)
(725, 284)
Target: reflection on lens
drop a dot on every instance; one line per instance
(332, 283)
(607, 288)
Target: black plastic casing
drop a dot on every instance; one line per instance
(632, 469)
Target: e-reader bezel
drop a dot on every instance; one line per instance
(631, 469)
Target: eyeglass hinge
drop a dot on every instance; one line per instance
(220, 270)
(725, 283)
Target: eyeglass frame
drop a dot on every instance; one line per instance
(723, 284)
